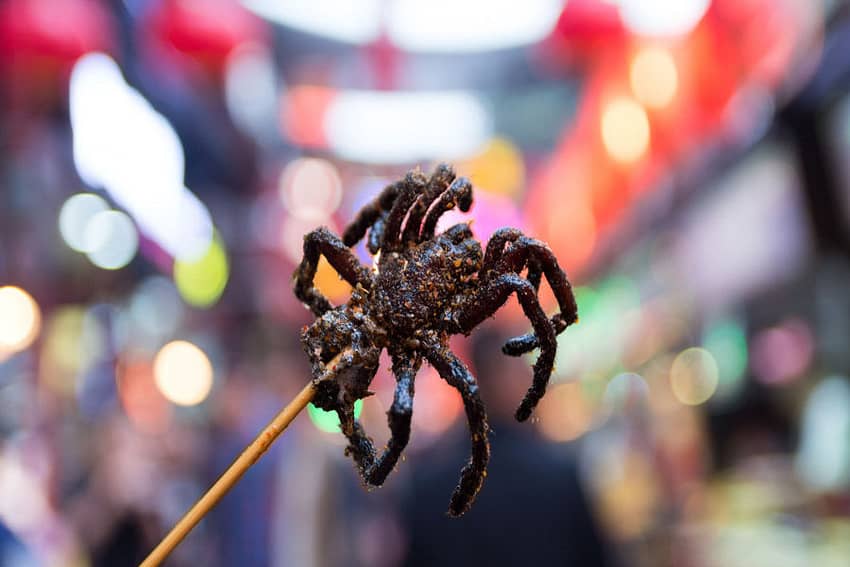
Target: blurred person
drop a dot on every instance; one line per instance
(532, 508)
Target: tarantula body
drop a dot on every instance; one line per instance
(426, 288)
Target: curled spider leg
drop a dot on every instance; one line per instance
(488, 300)
(411, 187)
(496, 248)
(459, 194)
(539, 257)
(369, 214)
(495, 251)
(457, 375)
(374, 469)
(323, 242)
(440, 180)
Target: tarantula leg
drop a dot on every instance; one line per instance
(369, 214)
(376, 233)
(440, 180)
(538, 256)
(457, 375)
(459, 194)
(412, 185)
(489, 299)
(495, 250)
(496, 247)
(374, 470)
(323, 242)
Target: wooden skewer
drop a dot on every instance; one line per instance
(230, 477)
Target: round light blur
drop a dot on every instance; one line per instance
(783, 353)
(653, 76)
(250, 89)
(20, 319)
(111, 240)
(183, 373)
(311, 188)
(292, 233)
(694, 376)
(75, 215)
(564, 413)
(156, 308)
(727, 341)
(328, 421)
(625, 130)
(625, 393)
(498, 168)
(202, 281)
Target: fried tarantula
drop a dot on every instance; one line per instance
(425, 288)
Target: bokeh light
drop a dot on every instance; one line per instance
(498, 168)
(625, 393)
(823, 459)
(662, 18)
(625, 130)
(328, 421)
(183, 373)
(564, 413)
(202, 281)
(74, 218)
(111, 240)
(726, 340)
(250, 89)
(311, 188)
(155, 308)
(292, 232)
(20, 320)
(654, 78)
(694, 376)
(141, 397)
(782, 353)
(72, 342)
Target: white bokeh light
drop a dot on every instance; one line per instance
(376, 126)
(183, 373)
(121, 143)
(111, 240)
(474, 25)
(662, 18)
(75, 215)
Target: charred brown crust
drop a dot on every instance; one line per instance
(426, 289)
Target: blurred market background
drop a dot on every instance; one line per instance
(687, 160)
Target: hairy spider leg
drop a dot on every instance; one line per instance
(531, 252)
(324, 242)
(412, 185)
(376, 234)
(495, 250)
(459, 194)
(537, 261)
(496, 247)
(440, 180)
(452, 370)
(374, 470)
(488, 300)
(370, 214)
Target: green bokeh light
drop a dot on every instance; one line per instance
(328, 421)
(726, 340)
